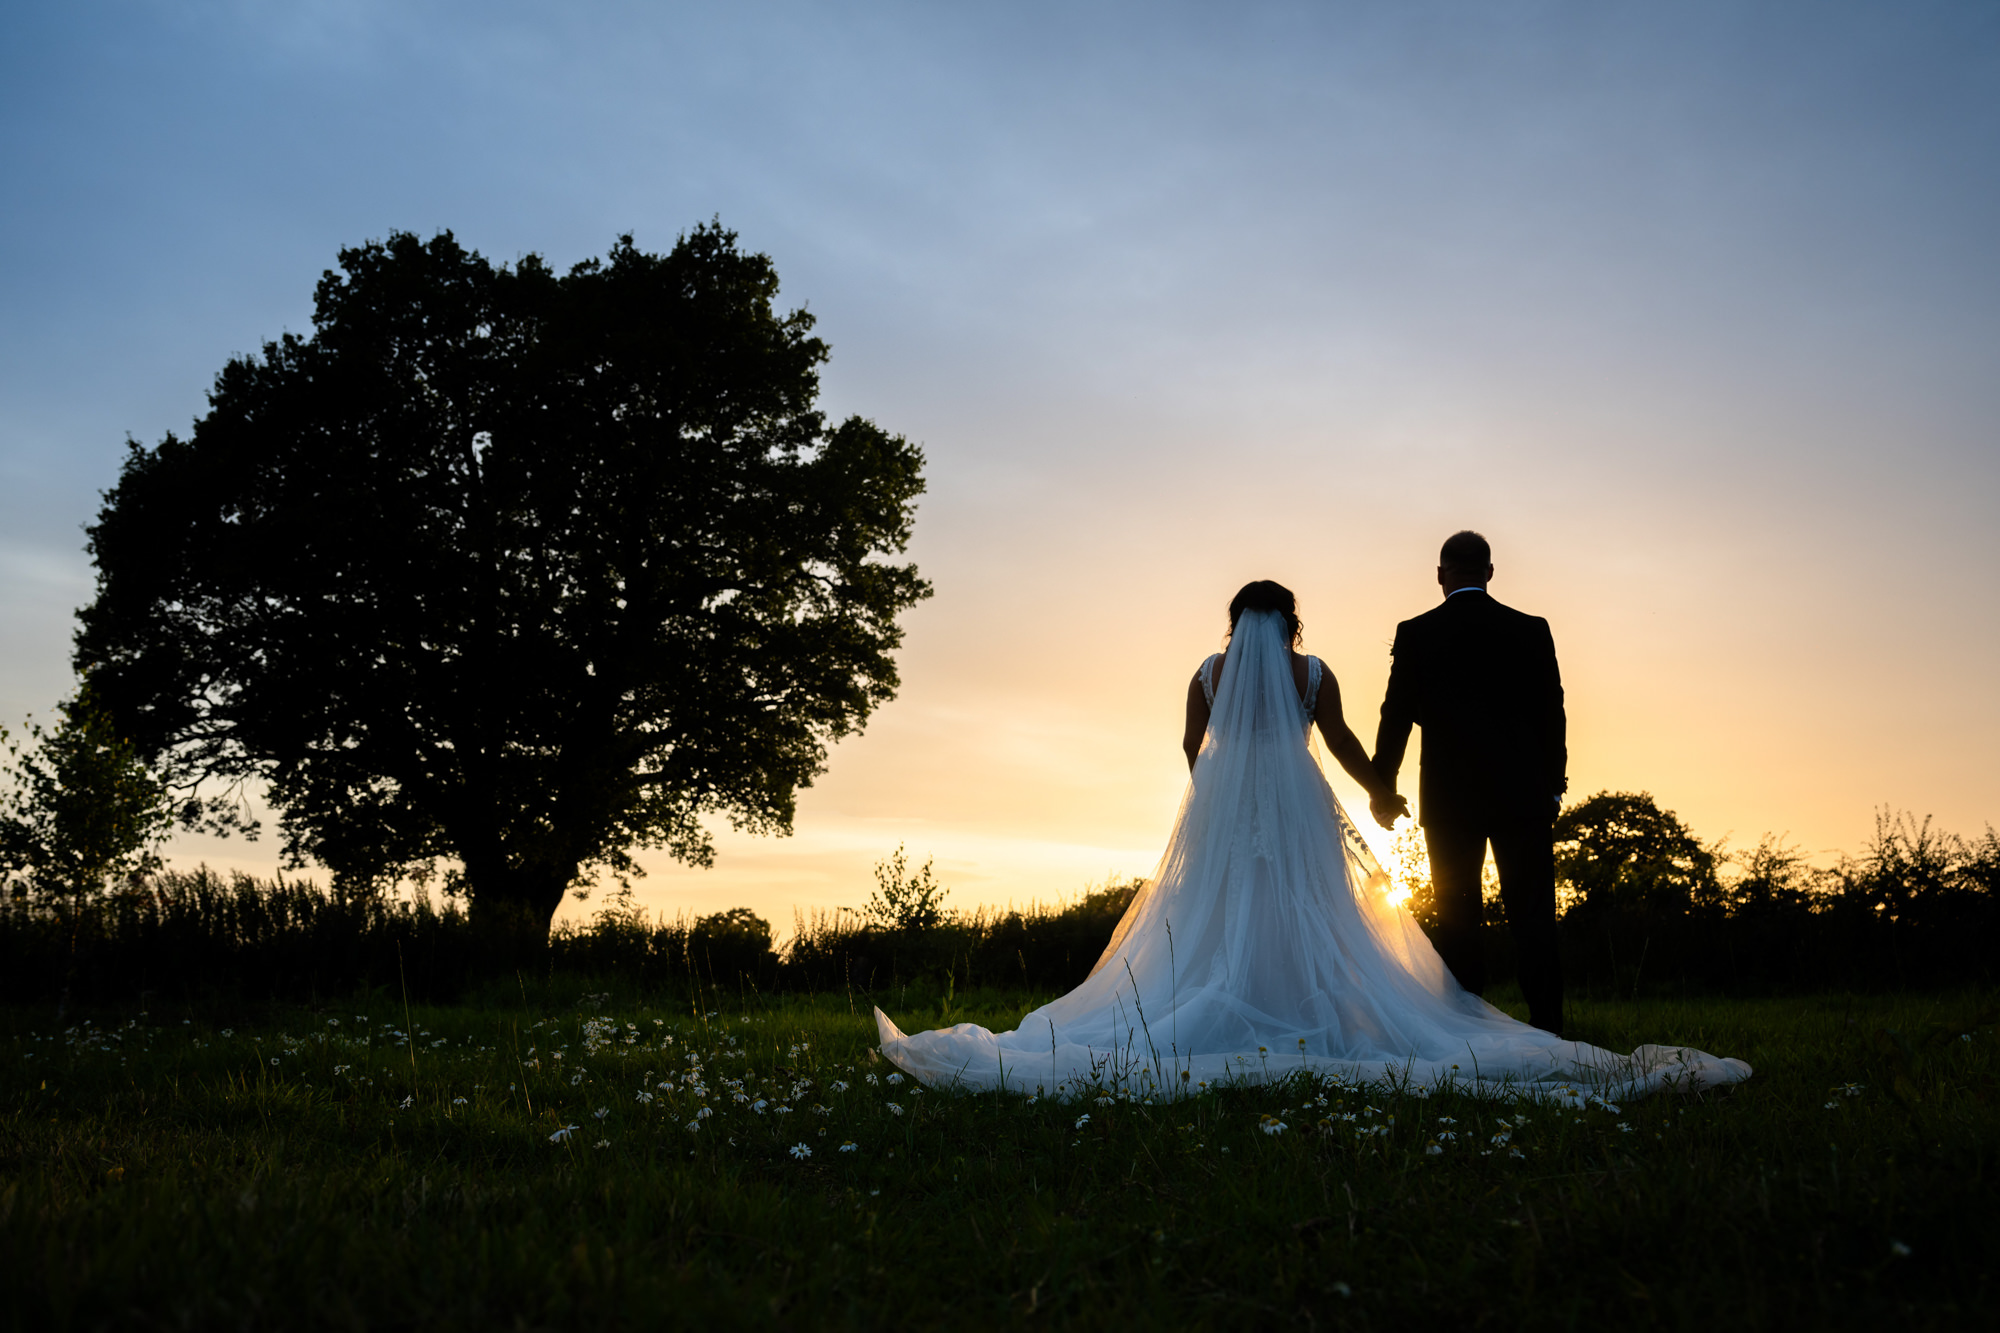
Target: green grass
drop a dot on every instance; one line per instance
(264, 1170)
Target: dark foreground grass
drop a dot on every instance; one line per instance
(479, 1168)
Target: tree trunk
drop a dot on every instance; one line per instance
(512, 911)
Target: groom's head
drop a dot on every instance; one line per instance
(1465, 562)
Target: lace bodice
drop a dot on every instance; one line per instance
(1315, 669)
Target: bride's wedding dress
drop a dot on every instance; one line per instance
(1266, 944)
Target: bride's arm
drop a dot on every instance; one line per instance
(1342, 743)
(1197, 721)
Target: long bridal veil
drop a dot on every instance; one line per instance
(1266, 943)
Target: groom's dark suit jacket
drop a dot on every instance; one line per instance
(1481, 680)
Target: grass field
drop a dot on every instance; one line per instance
(546, 1162)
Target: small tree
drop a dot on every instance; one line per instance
(1909, 866)
(1620, 853)
(1772, 879)
(904, 901)
(80, 810)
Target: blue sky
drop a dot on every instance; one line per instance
(1693, 309)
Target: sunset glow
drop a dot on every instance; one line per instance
(1692, 314)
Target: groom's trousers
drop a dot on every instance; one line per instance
(1524, 854)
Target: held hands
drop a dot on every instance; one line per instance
(1387, 809)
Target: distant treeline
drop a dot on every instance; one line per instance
(197, 934)
(1646, 905)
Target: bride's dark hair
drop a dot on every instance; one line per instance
(1264, 595)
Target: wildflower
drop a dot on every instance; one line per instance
(644, 1098)
(1431, 1149)
(894, 1079)
(1900, 1250)
(603, 1143)
(562, 1135)
(694, 1124)
(894, 1109)
(1516, 1152)
(821, 1110)
(407, 1102)
(850, 1146)
(338, 1070)
(1500, 1140)
(458, 1101)
(1270, 1124)
(274, 1059)
(801, 1151)
(1965, 1036)
(1082, 1120)
(1106, 1101)
(574, 1078)
(1342, 1289)
(601, 1112)
(1849, 1089)
(1448, 1136)
(229, 1032)
(1833, 1106)
(759, 1105)
(333, 1022)
(872, 1080)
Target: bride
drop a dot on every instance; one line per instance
(1266, 943)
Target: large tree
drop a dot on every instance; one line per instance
(515, 569)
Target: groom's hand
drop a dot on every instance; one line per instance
(1387, 809)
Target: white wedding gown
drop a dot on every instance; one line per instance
(1266, 944)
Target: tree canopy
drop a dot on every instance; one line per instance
(514, 569)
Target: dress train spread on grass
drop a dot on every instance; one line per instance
(1266, 944)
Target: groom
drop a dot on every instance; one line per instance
(1481, 680)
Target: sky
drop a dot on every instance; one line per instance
(1693, 310)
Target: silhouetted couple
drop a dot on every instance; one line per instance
(1267, 943)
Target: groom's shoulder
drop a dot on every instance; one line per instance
(1531, 633)
(1509, 613)
(1418, 628)
(1521, 619)
(1418, 623)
